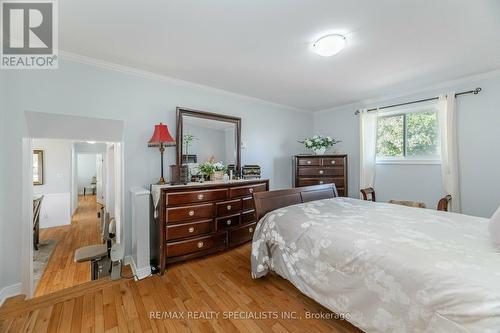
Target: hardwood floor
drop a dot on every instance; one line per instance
(220, 283)
(61, 271)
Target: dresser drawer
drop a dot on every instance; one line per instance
(227, 222)
(176, 231)
(321, 171)
(186, 213)
(339, 182)
(181, 198)
(242, 191)
(247, 203)
(308, 161)
(248, 217)
(241, 234)
(331, 161)
(185, 247)
(341, 192)
(228, 207)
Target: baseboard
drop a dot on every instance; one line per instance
(9, 291)
(140, 273)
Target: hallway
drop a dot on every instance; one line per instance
(61, 271)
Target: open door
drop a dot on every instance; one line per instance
(99, 179)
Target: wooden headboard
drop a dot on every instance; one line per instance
(269, 201)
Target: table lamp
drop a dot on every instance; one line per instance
(161, 138)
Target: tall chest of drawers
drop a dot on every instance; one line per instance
(199, 219)
(321, 169)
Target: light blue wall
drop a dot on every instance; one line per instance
(83, 147)
(3, 189)
(270, 131)
(478, 143)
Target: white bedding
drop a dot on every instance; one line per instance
(392, 268)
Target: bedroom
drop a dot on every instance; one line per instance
(137, 64)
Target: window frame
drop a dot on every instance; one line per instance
(402, 111)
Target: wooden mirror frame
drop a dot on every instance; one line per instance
(181, 112)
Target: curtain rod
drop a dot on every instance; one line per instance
(475, 92)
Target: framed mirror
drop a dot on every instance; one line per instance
(37, 167)
(202, 136)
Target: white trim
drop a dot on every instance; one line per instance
(27, 219)
(139, 273)
(164, 78)
(408, 161)
(9, 291)
(373, 101)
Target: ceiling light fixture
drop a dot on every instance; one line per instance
(329, 45)
(91, 142)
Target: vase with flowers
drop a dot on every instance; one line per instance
(213, 170)
(219, 171)
(319, 144)
(206, 169)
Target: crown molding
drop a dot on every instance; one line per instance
(73, 57)
(370, 102)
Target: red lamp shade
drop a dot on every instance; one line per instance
(161, 135)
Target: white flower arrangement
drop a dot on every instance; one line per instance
(318, 142)
(219, 166)
(209, 168)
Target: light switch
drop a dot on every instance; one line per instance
(59, 175)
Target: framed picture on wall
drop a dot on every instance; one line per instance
(37, 167)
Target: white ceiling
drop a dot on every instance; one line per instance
(261, 48)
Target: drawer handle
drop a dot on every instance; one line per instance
(191, 229)
(228, 222)
(321, 172)
(191, 213)
(228, 207)
(200, 196)
(320, 182)
(250, 229)
(250, 190)
(308, 162)
(200, 245)
(333, 162)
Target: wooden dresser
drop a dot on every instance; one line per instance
(321, 169)
(198, 219)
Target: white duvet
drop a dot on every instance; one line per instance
(391, 268)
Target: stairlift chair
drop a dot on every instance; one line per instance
(99, 255)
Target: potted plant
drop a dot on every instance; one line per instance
(318, 144)
(219, 171)
(207, 169)
(188, 140)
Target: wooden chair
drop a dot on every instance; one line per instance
(37, 205)
(368, 194)
(415, 204)
(444, 203)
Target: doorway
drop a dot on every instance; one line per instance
(68, 197)
(73, 129)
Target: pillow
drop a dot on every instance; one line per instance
(495, 227)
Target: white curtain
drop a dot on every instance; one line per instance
(449, 149)
(368, 147)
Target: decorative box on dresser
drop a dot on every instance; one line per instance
(321, 169)
(202, 218)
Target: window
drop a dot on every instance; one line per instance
(408, 135)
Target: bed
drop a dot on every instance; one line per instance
(390, 268)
